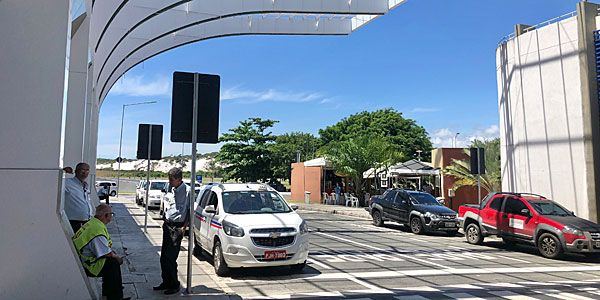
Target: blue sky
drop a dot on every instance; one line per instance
(432, 60)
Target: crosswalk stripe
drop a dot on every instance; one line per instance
(462, 296)
(561, 295)
(411, 297)
(510, 295)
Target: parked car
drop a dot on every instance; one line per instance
(154, 193)
(249, 225)
(140, 191)
(531, 219)
(419, 210)
(111, 184)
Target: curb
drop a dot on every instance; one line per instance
(352, 213)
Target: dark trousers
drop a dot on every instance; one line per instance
(169, 252)
(76, 224)
(112, 284)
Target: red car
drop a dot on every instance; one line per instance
(531, 219)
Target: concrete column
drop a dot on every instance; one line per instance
(586, 23)
(76, 97)
(37, 254)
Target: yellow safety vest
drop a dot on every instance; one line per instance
(84, 236)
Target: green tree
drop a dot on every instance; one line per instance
(491, 181)
(356, 155)
(285, 149)
(246, 155)
(387, 123)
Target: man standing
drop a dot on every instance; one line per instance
(77, 203)
(176, 219)
(94, 247)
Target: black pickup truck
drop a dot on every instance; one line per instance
(421, 211)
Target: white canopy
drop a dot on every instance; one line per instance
(319, 162)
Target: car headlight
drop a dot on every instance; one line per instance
(232, 229)
(431, 215)
(572, 230)
(303, 227)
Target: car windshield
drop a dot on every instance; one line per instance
(547, 207)
(254, 202)
(423, 199)
(157, 185)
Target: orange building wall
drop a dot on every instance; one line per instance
(306, 179)
(442, 158)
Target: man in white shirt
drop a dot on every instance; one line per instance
(77, 202)
(176, 219)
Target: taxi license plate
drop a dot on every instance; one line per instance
(449, 224)
(280, 254)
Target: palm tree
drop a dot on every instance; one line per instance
(357, 155)
(461, 169)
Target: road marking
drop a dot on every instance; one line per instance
(380, 249)
(412, 297)
(509, 295)
(465, 286)
(320, 264)
(462, 296)
(559, 295)
(370, 286)
(418, 289)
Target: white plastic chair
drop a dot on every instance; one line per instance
(351, 199)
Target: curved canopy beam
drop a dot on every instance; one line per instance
(122, 29)
(241, 25)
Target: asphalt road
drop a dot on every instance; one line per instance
(351, 258)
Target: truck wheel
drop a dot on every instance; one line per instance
(416, 226)
(377, 219)
(219, 261)
(473, 234)
(549, 246)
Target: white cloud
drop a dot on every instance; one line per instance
(250, 96)
(326, 100)
(424, 109)
(443, 133)
(137, 86)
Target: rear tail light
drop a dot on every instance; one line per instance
(370, 199)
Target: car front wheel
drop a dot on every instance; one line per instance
(416, 226)
(219, 261)
(473, 234)
(113, 193)
(549, 246)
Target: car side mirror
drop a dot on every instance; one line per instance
(525, 212)
(294, 206)
(210, 209)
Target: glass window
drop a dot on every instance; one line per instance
(496, 203)
(423, 199)
(514, 206)
(547, 207)
(401, 197)
(254, 202)
(212, 199)
(204, 200)
(157, 185)
(390, 196)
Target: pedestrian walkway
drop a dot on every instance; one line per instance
(141, 251)
(358, 212)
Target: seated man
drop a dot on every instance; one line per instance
(95, 249)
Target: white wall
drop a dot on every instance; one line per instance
(38, 260)
(541, 126)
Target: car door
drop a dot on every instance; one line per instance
(403, 201)
(387, 203)
(199, 219)
(207, 230)
(490, 215)
(516, 223)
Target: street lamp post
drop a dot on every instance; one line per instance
(455, 139)
(119, 159)
(419, 153)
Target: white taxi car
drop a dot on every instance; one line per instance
(154, 193)
(249, 225)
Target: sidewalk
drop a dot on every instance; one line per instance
(141, 266)
(358, 212)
